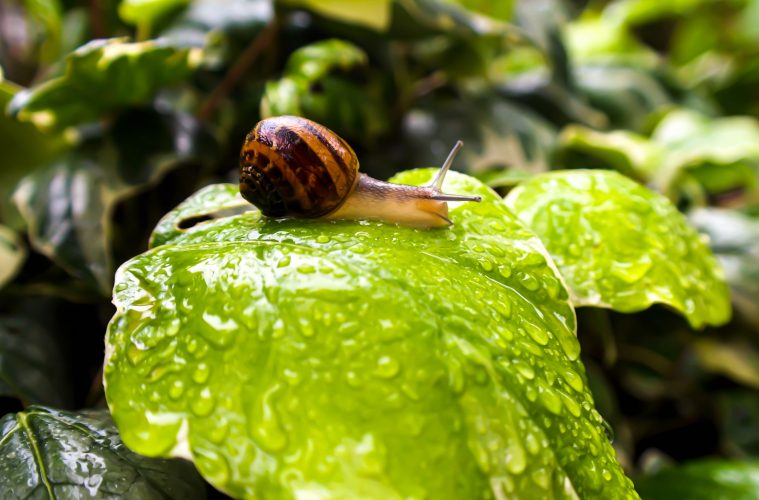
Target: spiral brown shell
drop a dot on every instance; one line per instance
(291, 166)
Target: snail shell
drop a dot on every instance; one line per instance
(291, 166)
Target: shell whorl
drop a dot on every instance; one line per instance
(291, 166)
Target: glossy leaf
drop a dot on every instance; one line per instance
(12, 254)
(101, 77)
(68, 205)
(703, 480)
(627, 152)
(46, 453)
(621, 246)
(314, 61)
(312, 86)
(356, 358)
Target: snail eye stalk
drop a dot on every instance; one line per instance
(437, 182)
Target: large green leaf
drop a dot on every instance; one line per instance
(622, 246)
(101, 77)
(704, 480)
(341, 359)
(46, 453)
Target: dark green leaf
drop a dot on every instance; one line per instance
(68, 205)
(739, 421)
(703, 480)
(31, 367)
(46, 453)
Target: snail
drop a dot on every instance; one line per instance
(293, 167)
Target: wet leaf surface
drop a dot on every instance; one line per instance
(46, 453)
(622, 246)
(356, 358)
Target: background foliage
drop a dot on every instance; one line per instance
(117, 111)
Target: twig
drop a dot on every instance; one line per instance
(97, 26)
(246, 59)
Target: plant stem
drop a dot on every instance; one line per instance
(238, 70)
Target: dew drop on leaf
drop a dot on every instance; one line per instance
(204, 404)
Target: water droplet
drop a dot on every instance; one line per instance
(532, 443)
(573, 379)
(218, 433)
(387, 367)
(537, 333)
(293, 377)
(353, 379)
(306, 269)
(284, 261)
(569, 345)
(486, 265)
(570, 404)
(550, 400)
(516, 458)
(322, 238)
(606, 474)
(176, 389)
(529, 281)
(541, 477)
(266, 428)
(278, 329)
(456, 377)
(504, 270)
(524, 369)
(201, 373)
(203, 405)
(632, 272)
(217, 330)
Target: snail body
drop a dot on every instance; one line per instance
(294, 167)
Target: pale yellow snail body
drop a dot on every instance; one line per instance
(293, 167)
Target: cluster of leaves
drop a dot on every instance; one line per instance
(117, 111)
